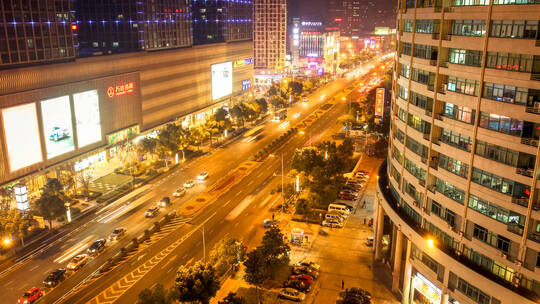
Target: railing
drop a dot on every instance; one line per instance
(438, 116)
(535, 76)
(520, 201)
(431, 87)
(447, 37)
(426, 136)
(530, 142)
(525, 171)
(444, 64)
(515, 229)
(428, 113)
(435, 36)
(534, 237)
(433, 62)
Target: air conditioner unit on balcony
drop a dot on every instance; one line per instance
(536, 107)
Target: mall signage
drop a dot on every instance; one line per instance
(379, 102)
(119, 90)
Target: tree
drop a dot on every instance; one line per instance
(277, 102)
(13, 224)
(198, 134)
(168, 140)
(256, 269)
(212, 127)
(296, 87)
(237, 112)
(306, 160)
(263, 105)
(83, 179)
(147, 145)
(156, 295)
(275, 249)
(196, 283)
(232, 298)
(226, 253)
(49, 206)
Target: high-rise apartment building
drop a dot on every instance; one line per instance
(222, 21)
(270, 31)
(108, 27)
(458, 196)
(32, 33)
(356, 18)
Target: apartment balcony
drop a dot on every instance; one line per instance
(525, 172)
(530, 141)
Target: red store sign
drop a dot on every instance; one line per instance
(120, 89)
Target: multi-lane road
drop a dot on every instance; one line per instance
(237, 213)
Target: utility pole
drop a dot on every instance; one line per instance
(282, 187)
(204, 245)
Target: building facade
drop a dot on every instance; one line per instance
(222, 21)
(457, 214)
(269, 38)
(32, 34)
(331, 52)
(68, 116)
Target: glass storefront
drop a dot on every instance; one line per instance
(424, 292)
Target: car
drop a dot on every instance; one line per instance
(349, 207)
(347, 196)
(203, 175)
(55, 277)
(305, 270)
(179, 192)
(306, 278)
(361, 175)
(189, 183)
(298, 285)
(164, 202)
(269, 223)
(291, 294)
(309, 263)
(31, 295)
(117, 234)
(369, 241)
(332, 224)
(355, 295)
(96, 247)
(58, 133)
(349, 188)
(356, 187)
(151, 212)
(77, 262)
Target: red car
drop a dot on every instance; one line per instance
(347, 196)
(305, 278)
(31, 296)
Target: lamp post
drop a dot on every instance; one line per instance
(68, 212)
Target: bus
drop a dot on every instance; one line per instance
(280, 115)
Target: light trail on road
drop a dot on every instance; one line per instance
(239, 208)
(114, 214)
(74, 250)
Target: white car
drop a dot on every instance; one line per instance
(292, 294)
(78, 262)
(310, 264)
(203, 175)
(179, 192)
(189, 183)
(332, 224)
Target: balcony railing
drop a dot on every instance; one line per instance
(525, 171)
(530, 141)
(535, 76)
(520, 201)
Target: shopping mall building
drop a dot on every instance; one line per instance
(457, 207)
(78, 88)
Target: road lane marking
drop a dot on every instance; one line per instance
(9, 283)
(226, 203)
(265, 201)
(34, 268)
(117, 289)
(251, 182)
(170, 261)
(238, 193)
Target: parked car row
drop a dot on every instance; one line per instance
(337, 214)
(301, 280)
(353, 185)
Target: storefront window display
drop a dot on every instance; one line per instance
(425, 292)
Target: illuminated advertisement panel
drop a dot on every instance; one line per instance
(22, 136)
(379, 102)
(221, 79)
(87, 117)
(57, 128)
(425, 291)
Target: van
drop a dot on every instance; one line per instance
(339, 208)
(334, 216)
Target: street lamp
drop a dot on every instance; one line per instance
(430, 243)
(68, 212)
(6, 241)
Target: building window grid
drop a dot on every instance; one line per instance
(497, 241)
(462, 85)
(419, 124)
(505, 155)
(421, 76)
(416, 171)
(475, 28)
(472, 292)
(445, 214)
(505, 93)
(465, 57)
(417, 147)
(421, 101)
(453, 166)
(457, 140)
(425, 259)
(403, 92)
(510, 62)
(502, 124)
(495, 211)
(450, 191)
(426, 26)
(442, 236)
(470, 2)
(425, 51)
(460, 113)
(405, 71)
(500, 184)
(406, 49)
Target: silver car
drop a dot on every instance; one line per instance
(292, 294)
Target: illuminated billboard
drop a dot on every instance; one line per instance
(22, 136)
(221, 79)
(87, 119)
(57, 128)
(379, 102)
